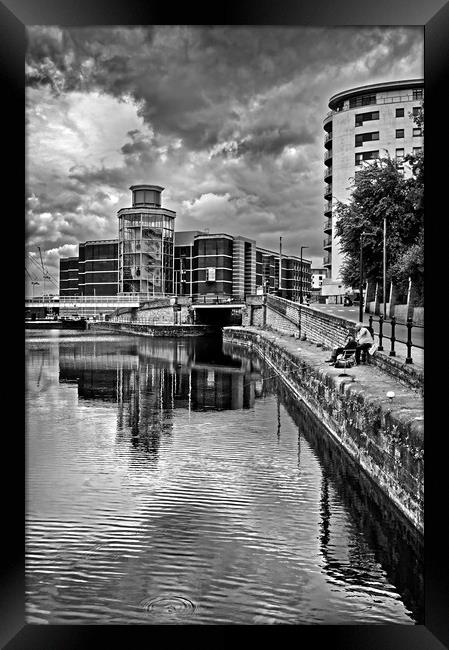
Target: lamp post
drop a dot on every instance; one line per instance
(300, 276)
(384, 284)
(362, 234)
(280, 266)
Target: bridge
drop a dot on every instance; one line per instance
(99, 302)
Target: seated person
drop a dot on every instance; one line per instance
(350, 345)
(364, 341)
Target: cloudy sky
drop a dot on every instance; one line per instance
(227, 119)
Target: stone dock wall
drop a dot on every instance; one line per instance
(145, 329)
(385, 440)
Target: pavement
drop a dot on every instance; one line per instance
(352, 314)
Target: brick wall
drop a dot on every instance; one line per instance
(329, 331)
(302, 320)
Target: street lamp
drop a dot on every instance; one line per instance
(300, 276)
(362, 234)
(384, 284)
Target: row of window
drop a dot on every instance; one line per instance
(360, 118)
(371, 155)
(360, 138)
(416, 132)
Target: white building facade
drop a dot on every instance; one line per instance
(365, 123)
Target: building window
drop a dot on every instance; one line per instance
(400, 156)
(364, 100)
(399, 112)
(366, 137)
(416, 150)
(366, 155)
(417, 131)
(418, 94)
(399, 133)
(416, 111)
(365, 117)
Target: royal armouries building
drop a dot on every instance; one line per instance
(150, 259)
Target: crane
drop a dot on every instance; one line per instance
(45, 273)
(34, 282)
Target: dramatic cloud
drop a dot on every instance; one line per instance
(227, 119)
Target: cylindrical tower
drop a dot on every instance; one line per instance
(146, 238)
(365, 123)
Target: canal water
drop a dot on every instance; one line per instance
(175, 481)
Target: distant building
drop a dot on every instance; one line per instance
(68, 276)
(215, 264)
(98, 268)
(150, 259)
(318, 275)
(294, 274)
(365, 123)
(93, 273)
(183, 262)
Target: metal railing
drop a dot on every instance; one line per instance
(216, 300)
(404, 337)
(85, 300)
(328, 171)
(327, 225)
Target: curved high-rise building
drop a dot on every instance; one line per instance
(365, 123)
(146, 244)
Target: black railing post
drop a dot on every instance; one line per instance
(370, 321)
(409, 341)
(392, 337)
(381, 322)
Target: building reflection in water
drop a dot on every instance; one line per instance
(387, 536)
(149, 378)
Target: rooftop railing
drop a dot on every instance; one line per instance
(396, 99)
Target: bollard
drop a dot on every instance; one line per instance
(380, 347)
(392, 338)
(409, 341)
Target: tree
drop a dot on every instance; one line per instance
(380, 189)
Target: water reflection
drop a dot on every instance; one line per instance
(387, 539)
(249, 513)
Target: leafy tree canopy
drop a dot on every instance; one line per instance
(380, 190)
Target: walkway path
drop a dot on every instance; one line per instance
(352, 314)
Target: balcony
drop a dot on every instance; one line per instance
(327, 122)
(328, 207)
(328, 225)
(327, 242)
(327, 260)
(328, 155)
(328, 173)
(327, 190)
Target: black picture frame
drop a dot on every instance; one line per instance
(433, 15)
